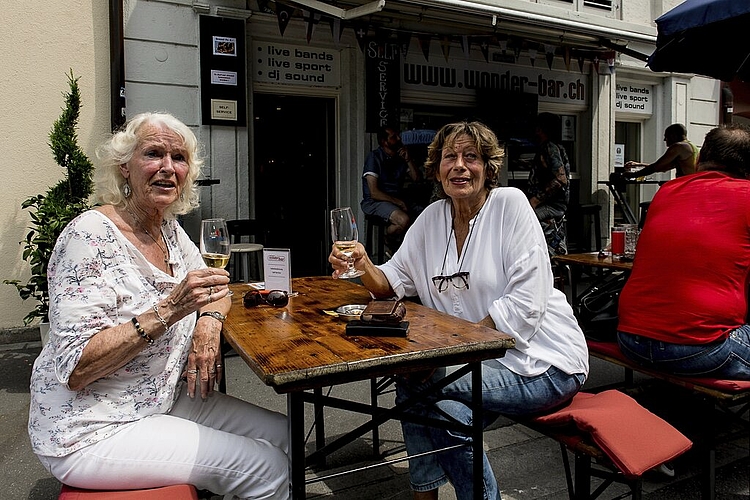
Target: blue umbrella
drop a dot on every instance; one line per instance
(706, 37)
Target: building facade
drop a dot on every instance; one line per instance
(286, 96)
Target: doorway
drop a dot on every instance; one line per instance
(295, 166)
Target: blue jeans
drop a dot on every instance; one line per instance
(503, 392)
(727, 359)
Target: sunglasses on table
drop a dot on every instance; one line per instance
(275, 298)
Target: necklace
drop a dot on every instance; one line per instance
(164, 249)
(466, 245)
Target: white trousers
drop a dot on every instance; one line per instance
(224, 445)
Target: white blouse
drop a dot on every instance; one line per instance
(98, 279)
(510, 279)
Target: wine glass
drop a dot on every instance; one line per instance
(215, 243)
(344, 236)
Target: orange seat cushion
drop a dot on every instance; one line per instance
(175, 492)
(632, 437)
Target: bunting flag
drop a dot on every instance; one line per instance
(424, 44)
(549, 53)
(581, 60)
(484, 45)
(595, 61)
(532, 54)
(517, 51)
(360, 31)
(611, 61)
(311, 19)
(503, 45)
(566, 57)
(337, 28)
(466, 45)
(445, 45)
(283, 15)
(404, 39)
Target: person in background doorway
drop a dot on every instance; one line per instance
(135, 324)
(478, 253)
(549, 189)
(386, 169)
(684, 308)
(681, 155)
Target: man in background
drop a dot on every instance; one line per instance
(681, 155)
(385, 172)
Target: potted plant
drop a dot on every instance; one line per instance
(52, 211)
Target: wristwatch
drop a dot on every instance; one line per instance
(213, 314)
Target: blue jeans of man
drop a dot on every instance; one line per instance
(727, 359)
(503, 392)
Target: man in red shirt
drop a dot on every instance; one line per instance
(684, 307)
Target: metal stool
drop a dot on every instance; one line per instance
(242, 252)
(372, 222)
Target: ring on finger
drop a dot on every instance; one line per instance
(192, 371)
(210, 290)
(210, 299)
(217, 366)
(211, 372)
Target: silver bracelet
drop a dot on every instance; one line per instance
(158, 316)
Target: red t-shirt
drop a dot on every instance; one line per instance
(690, 274)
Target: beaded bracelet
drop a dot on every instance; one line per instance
(141, 332)
(158, 316)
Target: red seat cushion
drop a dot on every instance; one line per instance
(632, 437)
(175, 492)
(612, 349)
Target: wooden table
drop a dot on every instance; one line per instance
(591, 259)
(298, 347)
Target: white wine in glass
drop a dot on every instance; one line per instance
(344, 236)
(215, 243)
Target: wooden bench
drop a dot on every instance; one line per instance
(612, 438)
(727, 397)
(174, 492)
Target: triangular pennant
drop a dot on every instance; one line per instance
(311, 19)
(566, 58)
(283, 15)
(549, 53)
(445, 45)
(424, 44)
(503, 45)
(466, 45)
(404, 39)
(484, 45)
(595, 61)
(611, 61)
(360, 31)
(581, 60)
(337, 27)
(517, 52)
(532, 54)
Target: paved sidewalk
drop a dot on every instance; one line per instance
(528, 465)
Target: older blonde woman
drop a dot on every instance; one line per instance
(479, 253)
(135, 321)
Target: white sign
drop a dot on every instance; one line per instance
(634, 98)
(296, 64)
(619, 155)
(219, 77)
(222, 109)
(277, 269)
(459, 76)
(568, 127)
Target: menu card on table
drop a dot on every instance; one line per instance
(277, 269)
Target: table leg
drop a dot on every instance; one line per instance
(477, 430)
(296, 418)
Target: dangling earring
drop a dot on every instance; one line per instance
(126, 191)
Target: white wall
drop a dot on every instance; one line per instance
(41, 42)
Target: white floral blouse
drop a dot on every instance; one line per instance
(98, 279)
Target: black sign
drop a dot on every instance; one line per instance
(383, 84)
(222, 59)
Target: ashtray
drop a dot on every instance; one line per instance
(347, 312)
